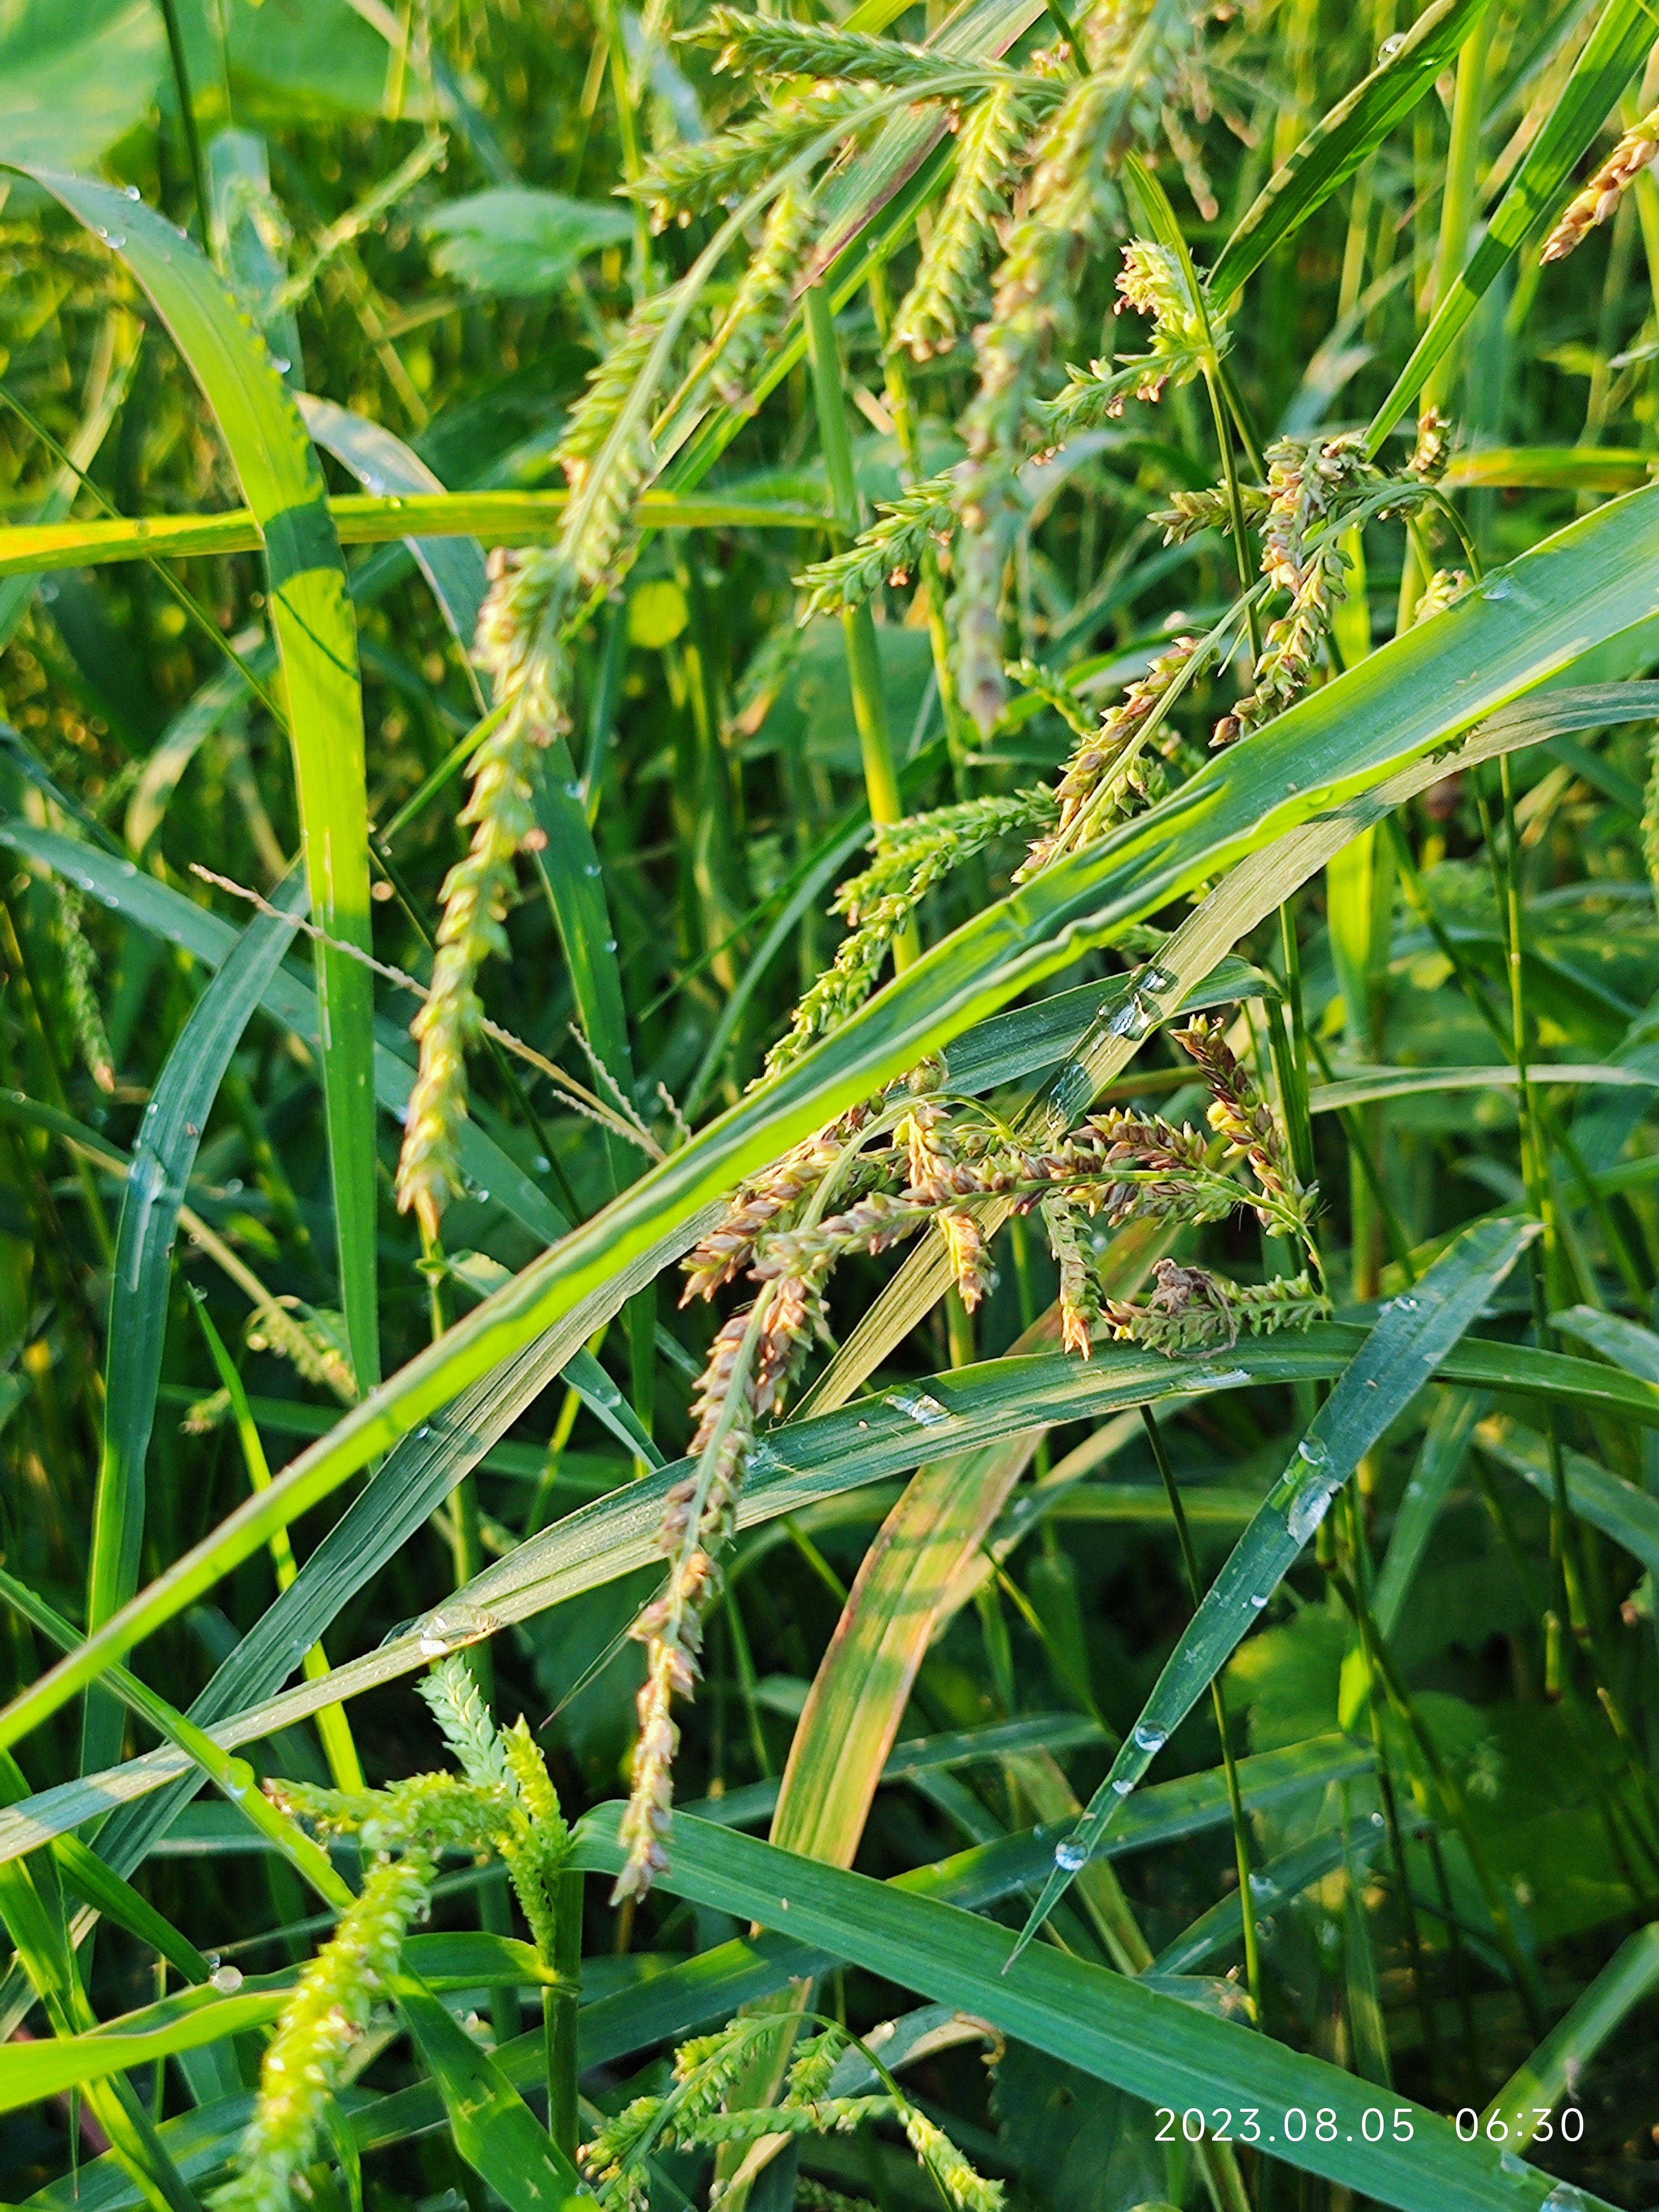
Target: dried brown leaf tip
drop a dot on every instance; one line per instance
(1601, 195)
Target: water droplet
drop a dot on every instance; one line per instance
(240, 1779)
(573, 789)
(1308, 1510)
(1315, 1450)
(280, 363)
(1156, 979)
(1133, 1019)
(1069, 1093)
(1262, 1885)
(1149, 1736)
(1406, 1305)
(227, 1980)
(212, 1962)
(541, 1164)
(926, 1412)
(1501, 588)
(482, 1194)
(115, 239)
(447, 1630)
(1258, 1600)
(373, 484)
(1070, 1855)
(1268, 1929)
(1509, 2163)
(1122, 1786)
(1377, 1821)
(425, 1430)
(1563, 2197)
(610, 945)
(1390, 47)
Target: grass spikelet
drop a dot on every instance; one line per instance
(773, 46)
(1601, 196)
(936, 310)
(695, 175)
(888, 552)
(80, 973)
(329, 2011)
(912, 856)
(1191, 1309)
(760, 305)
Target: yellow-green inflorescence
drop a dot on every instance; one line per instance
(502, 1802)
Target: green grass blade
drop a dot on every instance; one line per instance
(1275, 1884)
(1413, 1335)
(498, 518)
(1617, 1508)
(1452, 1426)
(1612, 54)
(493, 2128)
(317, 638)
(163, 1160)
(1625, 1342)
(1336, 146)
(453, 566)
(1556, 2069)
(693, 1992)
(1109, 2025)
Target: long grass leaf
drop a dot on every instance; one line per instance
(1336, 145)
(1413, 1335)
(1110, 2025)
(317, 638)
(163, 1160)
(1612, 54)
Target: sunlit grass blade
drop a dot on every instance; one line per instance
(1629, 1516)
(317, 637)
(1556, 2068)
(1336, 146)
(494, 2129)
(498, 518)
(1612, 54)
(1413, 1335)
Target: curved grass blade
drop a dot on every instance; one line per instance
(317, 638)
(1109, 2025)
(1556, 2068)
(1612, 53)
(1336, 146)
(493, 2128)
(1271, 1886)
(1399, 708)
(1617, 1508)
(163, 1160)
(1627, 1344)
(1413, 1335)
